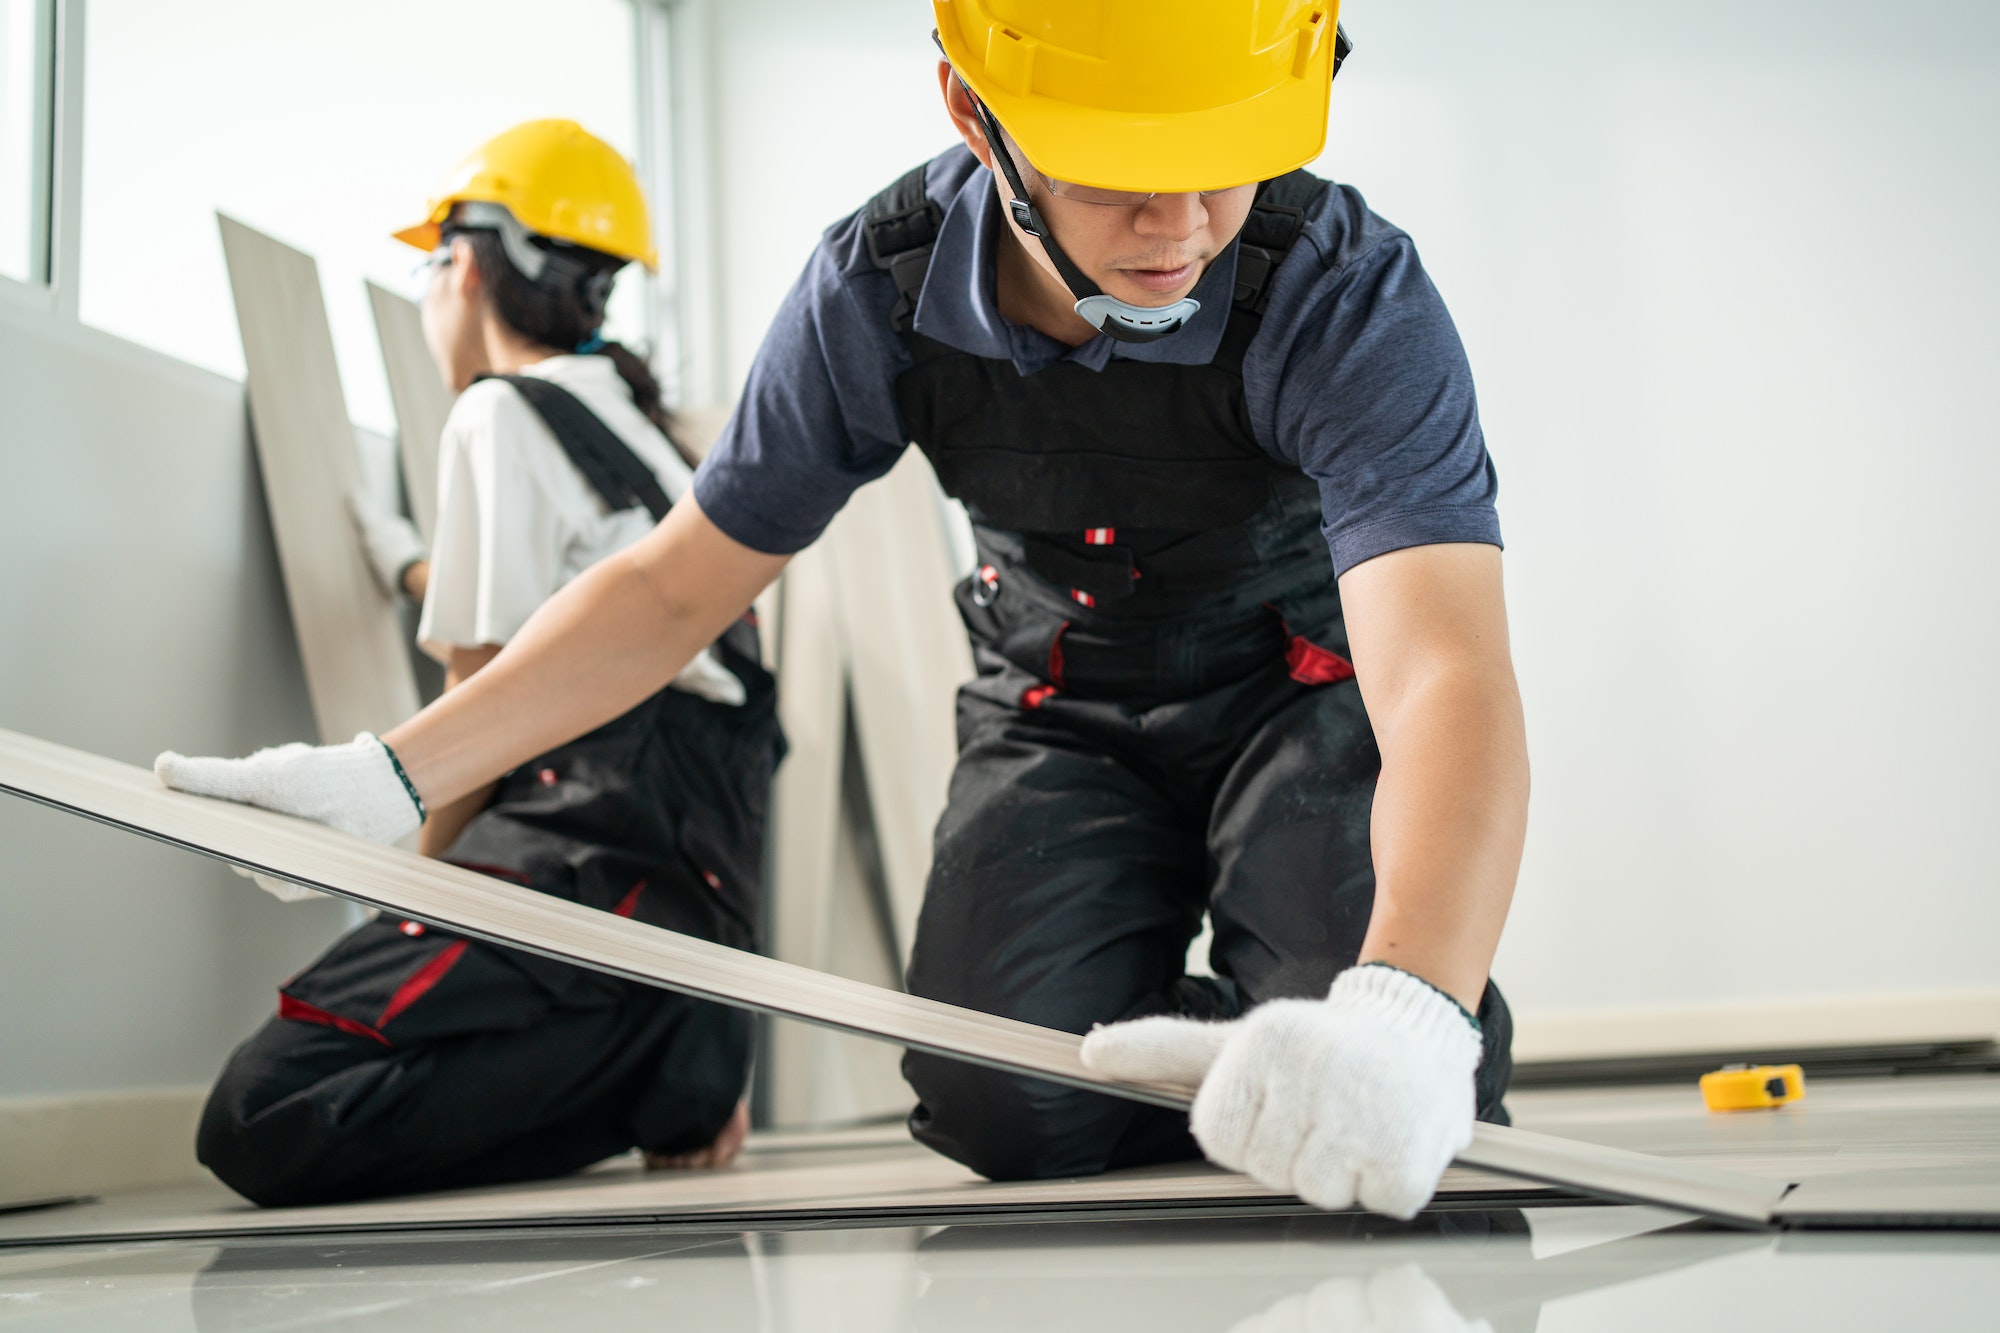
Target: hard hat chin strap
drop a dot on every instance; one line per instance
(1107, 314)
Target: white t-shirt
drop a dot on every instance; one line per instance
(516, 520)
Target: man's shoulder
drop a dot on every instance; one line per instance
(1340, 229)
(1348, 262)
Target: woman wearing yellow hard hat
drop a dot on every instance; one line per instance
(1238, 619)
(409, 1058)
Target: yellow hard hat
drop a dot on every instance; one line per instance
(558, 180)
(1161, 95)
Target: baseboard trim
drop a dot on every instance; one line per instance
(97, 1142)
(1821, 1021)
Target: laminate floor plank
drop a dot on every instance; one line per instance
(478, 905)
(830, 1181)
(357, 665)
(421, 397)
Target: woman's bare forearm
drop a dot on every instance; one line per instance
(617, 634)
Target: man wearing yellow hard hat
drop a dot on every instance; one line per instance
(1169, 374)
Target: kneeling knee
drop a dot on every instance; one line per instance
(1006, 1127)
(239, 1153)
(276, 1152)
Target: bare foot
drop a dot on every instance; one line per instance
(721, 1151)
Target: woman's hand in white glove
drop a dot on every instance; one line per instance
(358, 787)
(1364, 1096)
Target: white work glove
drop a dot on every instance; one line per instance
(1364, 1096)
(391, 542)
(282, 889)
(357, 788)
(1402, 1299)
(707, 678)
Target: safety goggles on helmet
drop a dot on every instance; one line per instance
(1091, 194)
(422, 271)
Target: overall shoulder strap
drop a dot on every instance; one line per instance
(1276, 220)
(617, 474)
(1273, 227)
(901, 225)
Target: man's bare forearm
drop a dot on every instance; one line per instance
(1451, 813)
(617, 634)
(443, 823)
(1428, 627)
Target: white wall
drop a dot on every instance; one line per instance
(1728, 282)
(140, 609)
(1727, 276)
(815, 108)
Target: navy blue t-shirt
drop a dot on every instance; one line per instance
(1356, 376)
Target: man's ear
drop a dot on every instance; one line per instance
(964, 119)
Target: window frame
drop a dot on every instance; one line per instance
(670, 102)
(38, 288)
(683, 317)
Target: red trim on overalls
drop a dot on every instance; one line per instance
(1311, 664)
(1308, 663)
(301, 1012)
(630, 902)
(1037, 695)
(421, 981)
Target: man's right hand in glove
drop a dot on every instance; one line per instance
(1362, 1097)
(358, 787)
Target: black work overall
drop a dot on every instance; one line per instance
(408, 1058)
(1164, 721)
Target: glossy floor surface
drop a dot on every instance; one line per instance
(864, 1231)
(1548, 1269)
(1927, 1148)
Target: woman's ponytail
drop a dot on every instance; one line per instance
(638, 377)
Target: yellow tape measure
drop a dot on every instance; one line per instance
(1752, 1087)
